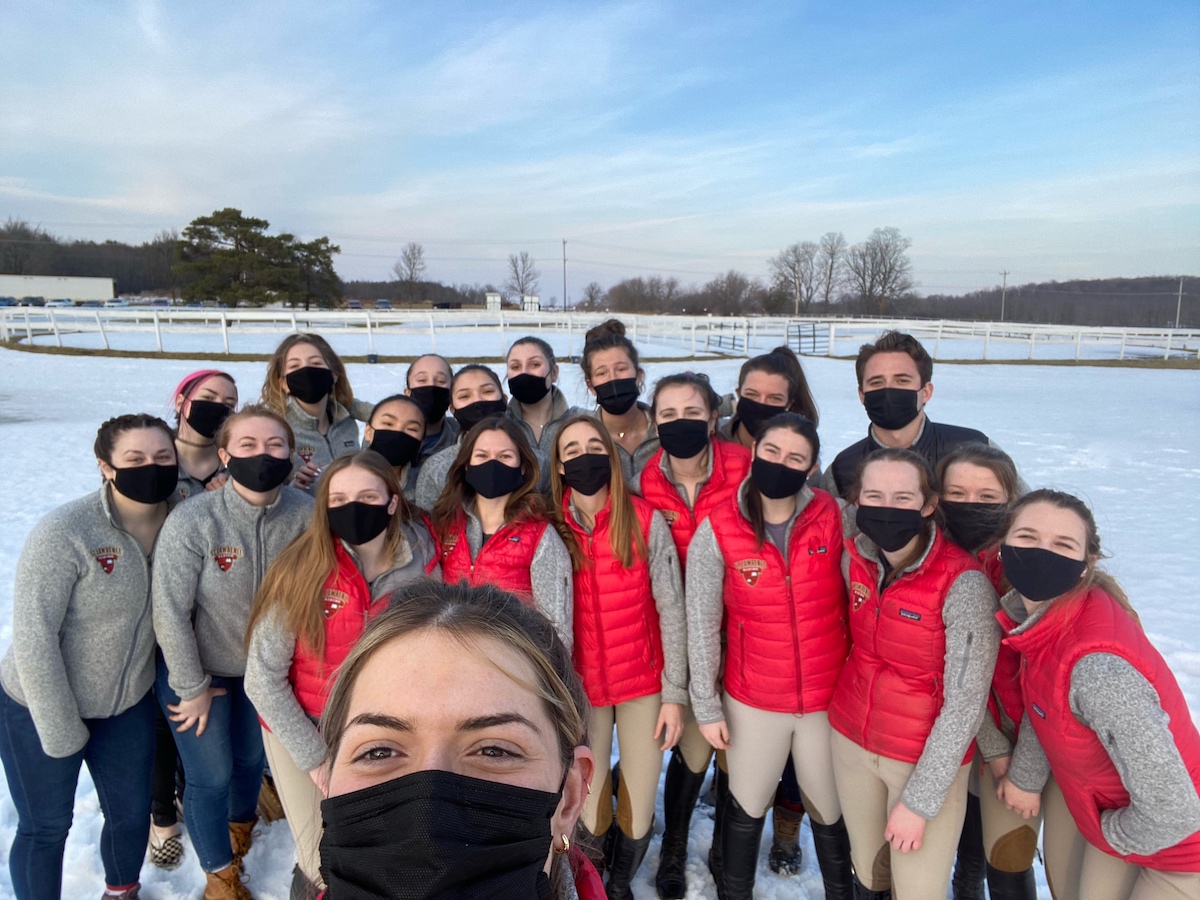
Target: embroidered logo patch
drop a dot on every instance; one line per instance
(1037, 709)
(751, 569)
(226, 557)
(909, 614)
(671, 515)
(861, 592)
(305, 453)
(184, 492)
(107, 557)
(514, 538)
(335, 600)
(448, 545)
(817, 551)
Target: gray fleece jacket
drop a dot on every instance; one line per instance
(273, 647)
(972, 641)
(1113, 699)
(633, 463)
(560, 411)
(432, 477)
(83, 642)
(212, 554)
(321, 449)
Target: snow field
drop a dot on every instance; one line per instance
(1127, 441)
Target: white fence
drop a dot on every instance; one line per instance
(476, 333)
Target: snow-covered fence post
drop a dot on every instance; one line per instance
(100, 326)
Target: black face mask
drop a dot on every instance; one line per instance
(260, 473)
(1040, 574)
(528, 388)
(889, 527)
(437, 834)
(588, 474)
(775, 480)
(973, 525)
(147, 484)
(494, 479)
(399, 448)
(474, 413)
(433, 399)
(683, 438)
(891, 408)
(311, 384)
(358, 523)
(751, 414)
(617, 397)
(206, 416)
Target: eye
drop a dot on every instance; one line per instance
(376, 755)
(498, 753)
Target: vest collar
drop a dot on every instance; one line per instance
(874, 442)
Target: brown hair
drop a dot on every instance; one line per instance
(698, 380)
(273, 395)
(546, 350)
(782, 361)
(797, 424)
(895, 342)
(929, 491)
(408, 374)
(294, 585)
(474, 367)
(253, 411)
(1094, 577)
(524, 503)
(608, 335)
(395, 398)
(987, 457)
(625, 536)
(106, 436)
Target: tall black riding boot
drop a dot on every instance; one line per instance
(627, 855)
(969, 865)
(1011, 885)
(720, 792)
(864, 893)
(680, 791)
(595, 847)
(832, 843)
(740, 837)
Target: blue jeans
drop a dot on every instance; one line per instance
(119, 755)
(224, 768)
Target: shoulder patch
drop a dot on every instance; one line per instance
(751, 569)
(305, 453)
(107, 558)
(670, 515)
(226, 556)
(861, 592)
(334, 600)
(448, 545)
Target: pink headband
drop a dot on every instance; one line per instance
(195, 380)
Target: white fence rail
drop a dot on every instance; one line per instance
(476, 333)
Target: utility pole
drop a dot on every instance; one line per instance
(1003, 292)
(565, 305)
(1179, 303)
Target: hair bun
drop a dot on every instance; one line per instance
(614, 327)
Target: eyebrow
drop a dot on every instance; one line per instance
(382, 720)
(478, 723)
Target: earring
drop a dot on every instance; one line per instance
(565, 848)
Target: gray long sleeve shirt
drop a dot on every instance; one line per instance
(972, 641)
(633, 463)
(211, 556)
(273, 648)
(1112, 698)
(83, 641)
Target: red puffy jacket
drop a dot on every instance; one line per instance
(786, 621)
(1084, 771)
(618, 644)
(1006, 679)
(890, 692)
(730, 465)
(504, 560)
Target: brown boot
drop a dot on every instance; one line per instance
(226, 885)
(241, 837)
(270, 808)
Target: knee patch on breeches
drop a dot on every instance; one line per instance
(604, 811)
(881, 868)
(1014, 851)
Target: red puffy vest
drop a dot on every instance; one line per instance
(618, 644)
(504, 560)
(730, 465)
(786, 621)
(890, 692)
(1082, 767)
(1006, 679)
(347, 600)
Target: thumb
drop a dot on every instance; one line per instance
(219, 692)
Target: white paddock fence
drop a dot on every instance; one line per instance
(472, 334)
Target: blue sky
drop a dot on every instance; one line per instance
(1054, 140)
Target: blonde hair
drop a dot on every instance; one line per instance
(273, 394)
(929, 494)
(253, 411)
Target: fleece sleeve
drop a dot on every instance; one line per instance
(553, 584)
(667, 586)
(705, 608)
(177, 567)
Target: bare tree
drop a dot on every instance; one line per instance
(523, 275)
(794, 272)
(879, 269)
(830, 263)
(593, 297)
(410, 267)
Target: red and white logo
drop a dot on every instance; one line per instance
(672, 516)
(751, 569)
(335, 600)
(226, 557)
(448, 545)
(305, 453)
(861, 592)
(107, 557)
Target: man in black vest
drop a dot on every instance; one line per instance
(894, 385)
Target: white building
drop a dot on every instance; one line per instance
(55, 287)
(493, 301)
(531, 303)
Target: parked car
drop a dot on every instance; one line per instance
(59, 304)
(383, 304)
(117, 303)
(354, 304)
(195, 304)
(92, 304)
(160, 302)
(33, 301)
(8, 301)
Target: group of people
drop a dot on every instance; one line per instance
(430, 635)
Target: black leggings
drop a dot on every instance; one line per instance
(167, 781)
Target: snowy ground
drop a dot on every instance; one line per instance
(1126, 440)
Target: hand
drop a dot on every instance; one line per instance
(905, 829)
(194, 711)
(670, 724)
(217, 482)
(306, 476)
(717, 735)
(999, 767)
(320, 777)
(1027, 803)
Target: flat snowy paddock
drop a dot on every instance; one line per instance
(1126, 440)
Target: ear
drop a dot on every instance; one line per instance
(926, 392)
(394, 504)
(179, 401)
(107, 472)
(862, 398)
(575, 791)
(554, 374)
(928, 508)
(223, 456)
(283, 385)
(369, 433)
